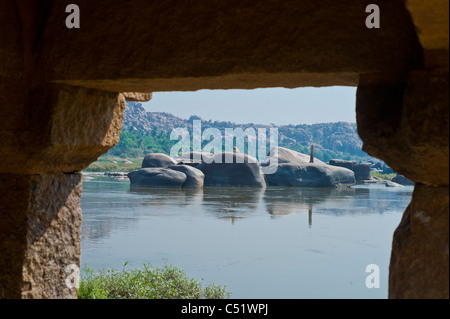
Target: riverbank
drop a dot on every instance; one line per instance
(167, 282)
(114, 164)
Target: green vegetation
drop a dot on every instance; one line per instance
(167, 282)
(383, 176)
(104, 166)
(136, 144)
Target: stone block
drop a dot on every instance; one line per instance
(58, 128)
(40, 234)
(419, 260)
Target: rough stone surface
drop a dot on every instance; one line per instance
(290, 168)
(194, 158)
(138, 97)
(222, 45)
(429, 17)
(310, 175)
(419, 265)
(11, 50)
(135, 117)
(157, 177)
(361, 170)
(242, 171)
(157, 160)
(63, 129)
(40, 234)
(405, 122)
(282, 155)
(402, 180)
(194, 177)
(342, 163)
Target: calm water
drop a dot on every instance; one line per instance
(274, 243)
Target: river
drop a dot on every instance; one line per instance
(280, 242)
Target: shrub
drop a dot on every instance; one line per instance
(101, 166)
(167, 282)
(383, 176)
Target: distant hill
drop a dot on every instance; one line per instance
(331, 140)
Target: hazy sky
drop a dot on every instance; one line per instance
(261, 106)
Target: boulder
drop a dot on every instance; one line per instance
(193, 158)
(391, 184)
(361, 170)
(342, 163)
(294, 169)
(310, 175)
(194, 177)
(283, 155)
(402, 180)
(380, 181)
(157, 160)
(241, 170)
(157, 177)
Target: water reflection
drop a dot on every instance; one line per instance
(231, 203)
(336, 201)
(168, 196)
(286, 201)
(109, 204)
(236, 236)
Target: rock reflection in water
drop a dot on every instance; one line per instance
(270, 235)
(109, 204)
(336, 201)
(169, 196)
(232, 203)
(286, 201)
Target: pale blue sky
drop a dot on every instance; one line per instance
(261, 106)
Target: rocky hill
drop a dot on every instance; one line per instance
(338, 138)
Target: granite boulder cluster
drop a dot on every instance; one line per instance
(282, 167)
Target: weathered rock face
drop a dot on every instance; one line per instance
(294, 169)
(420, 252)
(283, 155)
(342, 163)
(40, 236)
(194, 158)
(402, 180)
(406, 121)
(137, 97)
(194, 177)
(361, 170)
(243, 171)
(157, 160)
(157, 177)
(60, 122)
(310, 175)
(135, 117)
(251, 47)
